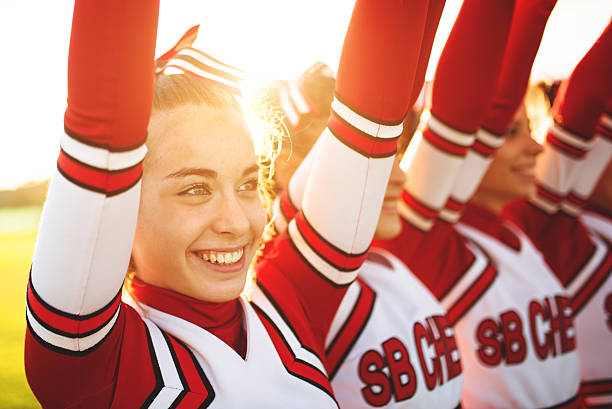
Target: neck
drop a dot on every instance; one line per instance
(491, 202)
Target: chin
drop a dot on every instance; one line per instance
(389, 226)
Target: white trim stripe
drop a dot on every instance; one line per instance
(548, 206)
(165, 398)
(344, 311)
(166, 364)
(365, 125)
(467, 279)
(186, 66)
(204, 59)
(320, 264)
(290, 113)
(260, 299)
(298, 98)
(589, 268)
(99, 157)
(569, 138)
(450, 134)
(598, 400)
(71, 344)
(489, 139)
(570, 208)
(448, 215)
(606, 121)
(414, 218)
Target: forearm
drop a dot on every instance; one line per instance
(464, 83)
(86, 232)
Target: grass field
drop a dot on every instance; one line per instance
(17, 236)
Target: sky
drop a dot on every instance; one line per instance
(274, 39)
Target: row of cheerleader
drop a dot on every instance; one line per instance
(401, 246)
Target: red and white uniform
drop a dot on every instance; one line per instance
(577, 149)
(487, 300)
(390, 344)
(594, 318)
(518, 338)
(87, 348)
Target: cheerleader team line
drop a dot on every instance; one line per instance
(480, 276)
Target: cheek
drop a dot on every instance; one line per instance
(257, 217)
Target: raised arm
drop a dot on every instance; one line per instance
(86, 232)
(576, 112)
(290, 201)
(528, 23)
(343, 194)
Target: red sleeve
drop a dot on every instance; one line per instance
(62, 378)
(75, 318)
(327, 240)
(577, 111)
(528, 23)
(464, 83)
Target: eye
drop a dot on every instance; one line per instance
(248, 186)
(196, 190)
(512, 131)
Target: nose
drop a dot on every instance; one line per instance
(231, 217)
(533, 147)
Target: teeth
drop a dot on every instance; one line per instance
(222, 257)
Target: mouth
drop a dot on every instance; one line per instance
(526, 172)
(224, 260)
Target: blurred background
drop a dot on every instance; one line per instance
(272, 39)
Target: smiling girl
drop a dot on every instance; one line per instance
(185, 220)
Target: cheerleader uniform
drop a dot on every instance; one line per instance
(389, 344)
(487, 300)
(576, 151)
(85, 346)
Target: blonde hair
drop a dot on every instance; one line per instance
(537, 105)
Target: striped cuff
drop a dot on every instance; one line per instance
(604, 127)
(487, 143)
(568, 143)
(597, 393)
(453, 208)
(415, 212)
(446, 138)
(69, 333)
(332, 263)
(573, 204)
(100, 168)
(370, 137)
(546, 199)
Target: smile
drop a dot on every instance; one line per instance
(222, 257)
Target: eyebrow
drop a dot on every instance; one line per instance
(191, 172)
(206, 172)
(250, 169)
